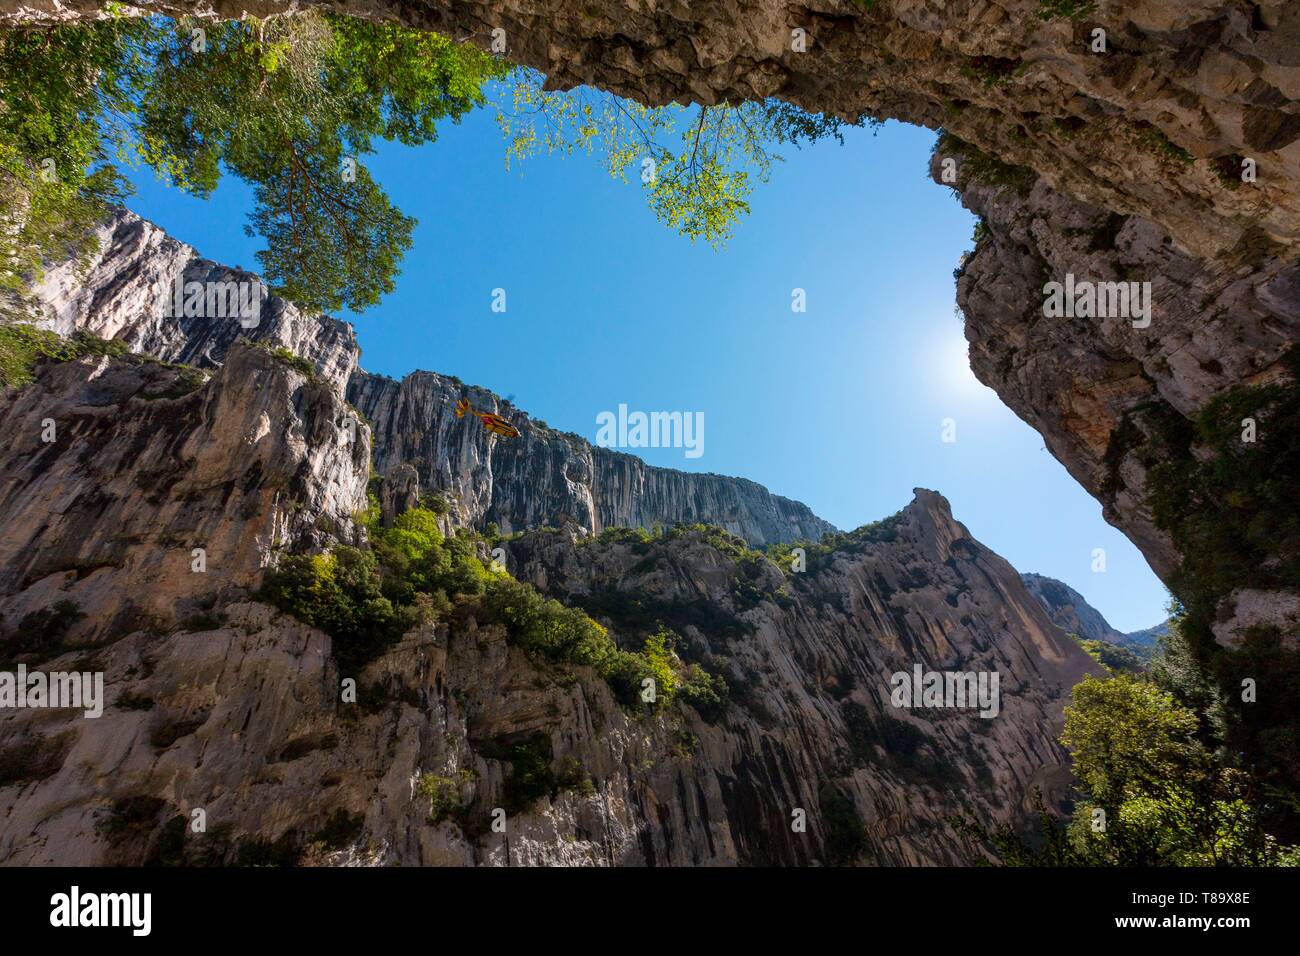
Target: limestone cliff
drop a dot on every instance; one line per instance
(117, 469)
(546, 476)
(1122, 163)
(217, 703)
(1114, 400)
(127, 293)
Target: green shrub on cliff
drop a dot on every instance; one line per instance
(1071, 9)
(413, 574)
(976, 165)
(1111, 656)
(845, 836)
(706, 692)
(366, 599)
(339, 593)
(288, 358)
(444, 794)
(546, 627)
(1229, 504)
(817, 554)
(22, 346)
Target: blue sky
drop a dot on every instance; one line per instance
(839, 407)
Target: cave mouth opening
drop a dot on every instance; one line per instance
(798, 298)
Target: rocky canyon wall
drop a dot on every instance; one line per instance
(1114, 398)
(1115, 165)
(136, 534)
(1131, 124)
(544, 478)
(547, 477)
(218, 703)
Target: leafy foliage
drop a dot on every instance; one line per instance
(292, 103)
(1167, 799)
(1155, 139)
(340, 594)
(1229, 506)
(413, 574)
(818, 554)
(637, 612)
(1070, 9)
(975, 164)
(445, 794)
(1152, 794)
(55, 174)
(288, 103)
(1111, 656)
(698, 165)
(366, 599)
(706, 692)
(22, 346)
(530, 776)
(289, 358)
(846, 838)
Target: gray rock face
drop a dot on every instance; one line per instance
(545, 477)
(1214, 325)
(238, 711)
(1111, 195)
(128, 293)
(148, 463)
(1103, 391)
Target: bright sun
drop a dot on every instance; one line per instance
(951, 364)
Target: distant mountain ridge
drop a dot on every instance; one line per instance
(1071, 612)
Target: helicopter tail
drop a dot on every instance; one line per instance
(462, 407)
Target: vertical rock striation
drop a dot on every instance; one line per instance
(543, 478)
(148, 462)
(546, 477)
(1121, 164)
(127, 292)
(217, 702)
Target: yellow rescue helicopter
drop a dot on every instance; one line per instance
(493, 423)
